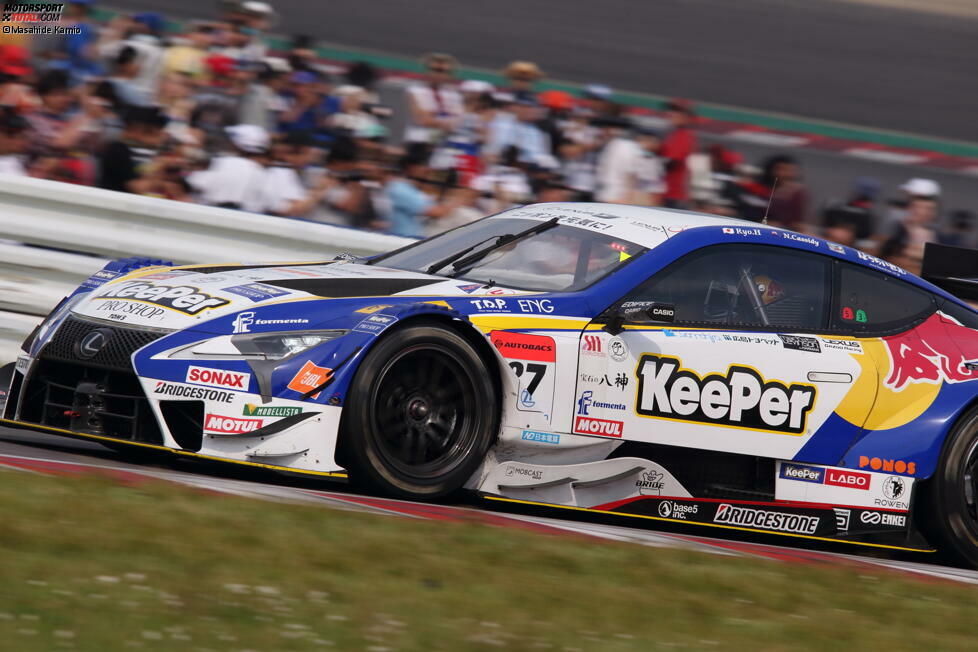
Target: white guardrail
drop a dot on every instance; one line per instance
(57, 234)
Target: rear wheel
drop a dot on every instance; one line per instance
(949, 509)
(421, 413)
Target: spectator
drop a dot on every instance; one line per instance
(629, 172)
(788, 199)
(960, 229)
(504, 184)
(263, 102)
(678, 144)
(462, 148)
(283, 190)
(518, 128)
(410, 206)
(234, 180)
(905, 244)
(15, 67)
(126, 161)
(308, 105)
(521, 76)
(852, 221)
(125, 71)
(188, 53)
(434, 105)
(13, 142)
(75, 53)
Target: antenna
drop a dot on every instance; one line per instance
(768, 209)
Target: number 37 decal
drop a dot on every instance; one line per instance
(531, 358)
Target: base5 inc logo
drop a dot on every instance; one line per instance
(741, 398)
(670, 509)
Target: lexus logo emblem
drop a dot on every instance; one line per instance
(89, 346)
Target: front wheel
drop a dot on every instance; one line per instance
(949, 505)
(421, 413)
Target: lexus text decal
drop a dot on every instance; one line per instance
(766, 519)
(741, 398)
(182, 298)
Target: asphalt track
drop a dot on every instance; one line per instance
(28, 451)
(889, 68)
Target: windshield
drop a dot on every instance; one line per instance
(558, 259)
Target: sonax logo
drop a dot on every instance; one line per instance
(218, 378)
(740, 398)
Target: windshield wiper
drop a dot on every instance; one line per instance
(434, 267)
(461, 260)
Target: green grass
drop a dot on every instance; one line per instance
(89, 564)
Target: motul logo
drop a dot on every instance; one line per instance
(229, 425)
(602, 427)
(218, 378)
(851, 479)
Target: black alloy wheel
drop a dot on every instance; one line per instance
(420, 415)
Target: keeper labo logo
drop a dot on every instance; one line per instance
(741, 398)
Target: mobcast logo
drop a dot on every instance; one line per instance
(182, 298)
(741, 398)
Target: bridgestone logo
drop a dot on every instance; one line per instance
(169, 389)
(766, 520)
(182, 298)
(740, 398)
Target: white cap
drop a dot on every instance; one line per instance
(922, 188)
(249, 138)
(476, 86)
(257, 7)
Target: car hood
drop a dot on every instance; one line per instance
(185, 297)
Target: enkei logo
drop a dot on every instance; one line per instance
(182, 298)
(850, 479)
(602, 427)
(802, 473)
(767, 520)
(880, 518)
(218, 378)
(741, 398)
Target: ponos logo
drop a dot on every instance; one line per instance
(741, 398)
(890, 466)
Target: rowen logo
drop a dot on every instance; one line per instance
(741, 398)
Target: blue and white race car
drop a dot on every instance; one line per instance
(663, 364)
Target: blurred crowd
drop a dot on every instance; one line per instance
(208, 114)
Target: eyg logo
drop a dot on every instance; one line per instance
(740, 398)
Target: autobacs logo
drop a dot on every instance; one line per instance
(740, 398)
(766, 519)
(602, 427)
(182, 298)
(523, 346)
(218, 378)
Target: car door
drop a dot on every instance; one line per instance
(739, 368)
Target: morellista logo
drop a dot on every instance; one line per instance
(741, 398)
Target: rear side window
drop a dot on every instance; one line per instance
(872, 301)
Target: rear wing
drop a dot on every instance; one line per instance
(954, 269)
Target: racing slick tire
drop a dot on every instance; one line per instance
(949, 505)
(420, 415)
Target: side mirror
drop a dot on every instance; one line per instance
(640, 312)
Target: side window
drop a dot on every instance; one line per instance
(744, 286)
(873, 301)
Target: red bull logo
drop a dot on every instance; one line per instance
(935, 351)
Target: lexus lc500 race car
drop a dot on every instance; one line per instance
(663, 364)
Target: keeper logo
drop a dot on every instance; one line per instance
(181, 298)
(741, 398)
(802, 473)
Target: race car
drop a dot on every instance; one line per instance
(669, 365)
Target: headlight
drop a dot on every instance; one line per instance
(253, 346)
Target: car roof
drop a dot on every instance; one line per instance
(648, 227)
